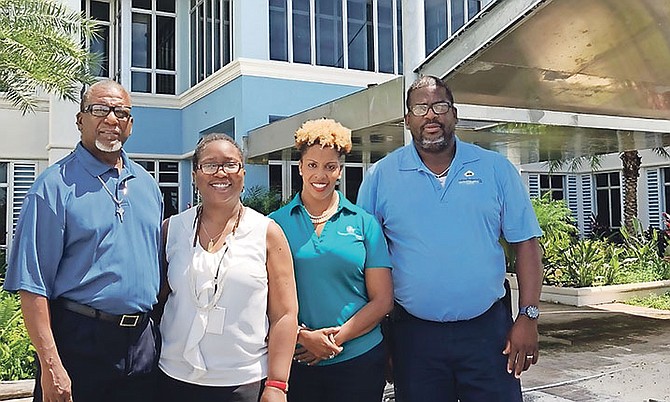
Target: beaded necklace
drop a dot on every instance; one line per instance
(319, 219)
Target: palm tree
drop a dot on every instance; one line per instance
(41, 45)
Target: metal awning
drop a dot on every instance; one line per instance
(544, 78)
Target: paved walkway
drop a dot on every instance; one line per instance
(612, 353)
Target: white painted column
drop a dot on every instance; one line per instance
(414, 43)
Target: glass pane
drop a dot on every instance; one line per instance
(275, 178)
(667, 199)
(165, 84)
(557, 194)
(168, 177)
(208, 38)
(399, 28)
(614, 179)
(201, 43)
(194, 48)
(226, 32)
(601, 180)
(100, 46)
(168, 167)
(145, 4)
(666, 175)
(217, 35)
(149, 166)
(557, 181)
(170, 201)
(3, 172)
(329, 33)
(616, 208)
(165, 45)
(360, 35)
(354, 177)
(473, 8)
(296, 180)
(385, 35)
(3, 216)
(165, 5)
(141, 46)
(100, 11)
(603, 203)
(436, 23)
(278, 31)
(544, 181)
(302, 47)
(140, 82)
(457, 14)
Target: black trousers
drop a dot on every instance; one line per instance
(173, 390)
(360, 379)
(105, 362)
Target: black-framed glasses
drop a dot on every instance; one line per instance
(97, 110)
(421, 109)
(213, 168)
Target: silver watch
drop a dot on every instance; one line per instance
(532, 312)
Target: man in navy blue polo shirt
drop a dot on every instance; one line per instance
(85, 262)
(444, 205)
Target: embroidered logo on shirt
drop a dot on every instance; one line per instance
(351, 231)
(469, 178)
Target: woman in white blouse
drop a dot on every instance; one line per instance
(229, 324)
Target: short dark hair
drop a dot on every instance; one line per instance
(427, 81)
(211, 137)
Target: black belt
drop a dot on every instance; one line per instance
(125, 320)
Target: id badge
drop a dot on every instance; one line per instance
(216, 318)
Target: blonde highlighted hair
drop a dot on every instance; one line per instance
(325, 132)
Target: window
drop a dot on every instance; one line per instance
(355, 34)
(153, 47)
(360, 32)
(4, 187)
(353, 177)
(227, 127)
(210, 37)
(552, 184)
(166, 173)
(666, 188)
(445, 17)
(101, 44)
(608, 200)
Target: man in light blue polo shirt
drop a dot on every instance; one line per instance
(85, 262)
(443, 205)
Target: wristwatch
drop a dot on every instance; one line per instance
(532, 312)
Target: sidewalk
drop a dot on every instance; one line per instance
(608, 353)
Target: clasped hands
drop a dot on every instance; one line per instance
(317, 345)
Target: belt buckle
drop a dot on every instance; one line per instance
(129, 320)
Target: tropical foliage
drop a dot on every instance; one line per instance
(16, 352)
(571, 261)
(40, 47)
(262, 199)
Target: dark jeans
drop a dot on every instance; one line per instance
(172, 390)
(453, 361)
(105, 362)
(360, 379)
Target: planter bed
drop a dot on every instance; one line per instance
(596, 294)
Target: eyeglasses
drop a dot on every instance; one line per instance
(121, 112)
(213, 168)
(422, 109)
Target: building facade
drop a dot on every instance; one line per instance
(533, 79)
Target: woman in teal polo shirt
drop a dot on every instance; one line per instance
(343, 277)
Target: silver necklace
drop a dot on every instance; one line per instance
(119, 209)
(444, 173)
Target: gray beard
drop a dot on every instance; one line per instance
(433, 146)
(115, 147)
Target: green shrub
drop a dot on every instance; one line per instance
(661, 302)
(16, 352)
(17, 355)
(262, 199)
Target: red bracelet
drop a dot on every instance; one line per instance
(281, 385)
